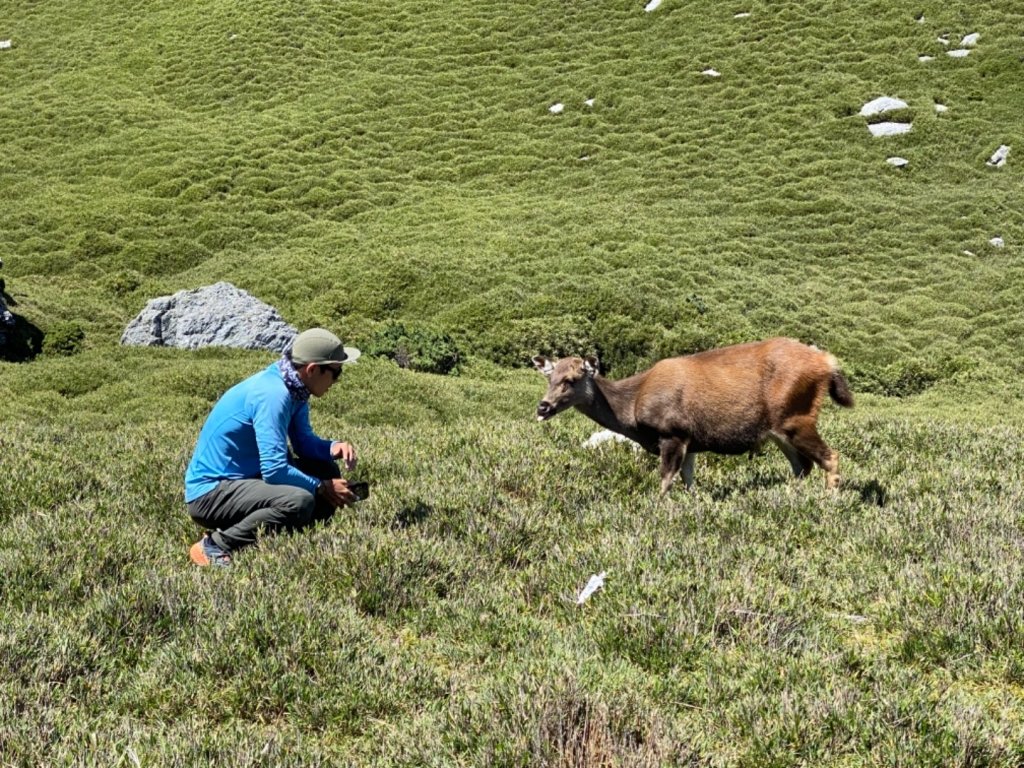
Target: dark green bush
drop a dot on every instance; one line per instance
(515, 343)
(906, 377)
(416, 347)
(64, 338)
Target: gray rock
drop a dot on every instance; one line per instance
(998, 159)
(218, 315)
(889, 129)
(882, 104)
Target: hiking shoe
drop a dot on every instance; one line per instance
(206, 552)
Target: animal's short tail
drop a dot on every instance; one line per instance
(839, 389)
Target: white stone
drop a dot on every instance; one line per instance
(997, 242)
(968, 253)
(920, 19)
(5, 43)
(882, 104)
(940, 108)
(711, 73)
(944, 39)
(970, 39)
(605, 436)
(959, 53)
(889, 129)
(589, 102)
(998, 159)
(741, 15)
(652, 5)
(926, 58)
(898, 162)
(556, 109)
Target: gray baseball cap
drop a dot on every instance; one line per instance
(318, 345)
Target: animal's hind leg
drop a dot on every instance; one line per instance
(801, 464)
(673, 459)
(803, 434)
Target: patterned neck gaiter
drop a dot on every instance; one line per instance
(292, 380)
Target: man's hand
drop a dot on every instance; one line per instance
(336, 492)
(344, 452)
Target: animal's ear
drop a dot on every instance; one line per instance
(591, 365)
(543, 365)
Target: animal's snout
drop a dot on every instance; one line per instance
(544, 410)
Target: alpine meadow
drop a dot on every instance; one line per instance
(456, 187)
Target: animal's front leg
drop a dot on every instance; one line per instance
(673, 459)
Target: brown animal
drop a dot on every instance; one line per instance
(728, 400)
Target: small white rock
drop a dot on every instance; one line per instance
(968, 253)
(997, 242)
(589, 102)
(652, 5)
(898, 162)
(711, 73)
(920, 19)
(940, 108)
(889, 129)
(926, 58)
(604, 436)
(998, 159)
(5, 44)
(970, 39)
(959, 53)
(882, 104)
(742, 15)
(944, 39)
(556, 109)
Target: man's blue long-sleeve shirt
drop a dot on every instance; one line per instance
(246, 436)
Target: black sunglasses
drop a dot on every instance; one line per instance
(335, 372)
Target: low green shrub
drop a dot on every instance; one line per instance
(416, 347)
(64, 338)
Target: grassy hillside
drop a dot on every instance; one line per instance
(361, 165)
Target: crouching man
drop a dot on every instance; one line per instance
(242, 476)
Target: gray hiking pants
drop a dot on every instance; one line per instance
(237, 510)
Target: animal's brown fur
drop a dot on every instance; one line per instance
(727, 400)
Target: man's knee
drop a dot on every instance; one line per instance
(298, 507)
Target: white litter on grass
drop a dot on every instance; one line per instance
(944, 39)
(741, 15)
(652, 5)
(899, 162)
(882, 104)
(959, 53)
(970, 39)
(711, 73)
(920, 19)
(589, 102)
(968, 253)
(5, 43)
(997, 242)
(605, 436)
(926, 58)
(940, 108)
(998, 159)
(595, 583)
(889, 129)
(556, 109)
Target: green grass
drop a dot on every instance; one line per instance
(362, 165)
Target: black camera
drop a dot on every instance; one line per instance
(361, 490)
